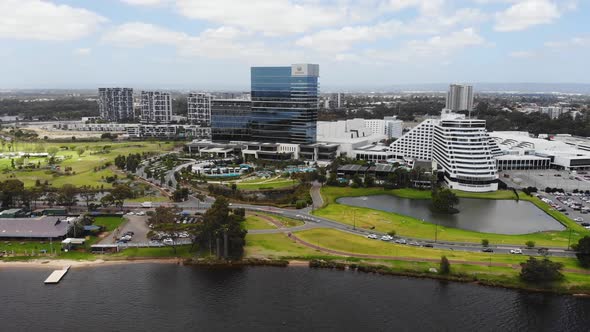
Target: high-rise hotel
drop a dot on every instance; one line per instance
(284, 103)
(283, 108)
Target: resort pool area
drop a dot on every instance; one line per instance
(480, 215)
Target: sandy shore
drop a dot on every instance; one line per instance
(61, 263)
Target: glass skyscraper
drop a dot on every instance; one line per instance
(284, 104)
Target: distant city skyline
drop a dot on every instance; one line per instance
(184, 44)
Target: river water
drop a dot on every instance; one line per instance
(162, 297)
(480, 215)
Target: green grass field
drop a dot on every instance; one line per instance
(351, 243)
(109, 223)
(274, 183)
(415, 228)
(255, 222)
(276, 246)
(83, 165)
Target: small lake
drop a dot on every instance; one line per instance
(481, 215)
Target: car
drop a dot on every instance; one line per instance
(585, 224)
(487, 250)
(579, 219)
(131, 213)
(386, 238)
(516, 251)
(401, 241)
(428, 245)
(129, 233)
(372, 236)
(168, 241)
(414, 243)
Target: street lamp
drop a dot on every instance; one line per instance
(354, 220)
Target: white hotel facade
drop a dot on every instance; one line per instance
(460, 148)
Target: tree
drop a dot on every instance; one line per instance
(221, 226)
(540, 271)
(80, 151)
(200, 198)
(107, 200)
(51, 198)
(444, 200)
(356, 181)
(88, 195)
(485, 242)
(369, 181)
(530, 244)
(120, 193)
(163, 222)
(392, 233)
(180, 195)
(52, 151)
(445, 265)
(582, 249)
(67, 195)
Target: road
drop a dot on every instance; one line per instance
(312, 221)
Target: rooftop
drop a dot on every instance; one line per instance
(42, 227)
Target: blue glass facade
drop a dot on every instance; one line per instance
(230, 120)
(284, 104)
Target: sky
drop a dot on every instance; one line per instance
(211, 44)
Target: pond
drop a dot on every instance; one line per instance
(480, 215)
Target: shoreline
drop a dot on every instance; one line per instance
(296, 263)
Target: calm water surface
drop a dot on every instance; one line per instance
(481, 215)
(158, 297)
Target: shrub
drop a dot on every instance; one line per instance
(445, 265)
(530, 244)
(485, 242)
(534, 270)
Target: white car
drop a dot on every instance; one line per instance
(401, 241)
(168, 241)
(372, 236)
(386, 238)
(578, 219)
(516, 251)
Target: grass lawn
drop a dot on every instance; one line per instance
(153, 199)
(351, 243)
(276, 246)
(110, 223)
(255, 222)
(274, 183)
(83, 165)
(416, 228)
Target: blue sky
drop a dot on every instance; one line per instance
(365, 43)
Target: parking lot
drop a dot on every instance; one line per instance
(575, 205)
(136, 224)
(541, 179)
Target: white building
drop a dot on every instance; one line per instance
(416, 143)
(554, 112)
(199, 109)
(156, 107)
(348, 134)
(462, 151)
(460, 98)
(389, 126)
(115, 104)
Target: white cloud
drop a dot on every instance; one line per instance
(138, 34)
(338, 40)
(437, 47)
(82, 51)
(525, 14)
(522, 54)
(569, 43)
(220, 43)
(44, 20)
(272, 17)
(145, 2)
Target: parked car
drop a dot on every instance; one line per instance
(516, 251)
(414, 243)
(487, 250)
(579, 219)
(372, 236)
(585, 224)
(401, 241)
